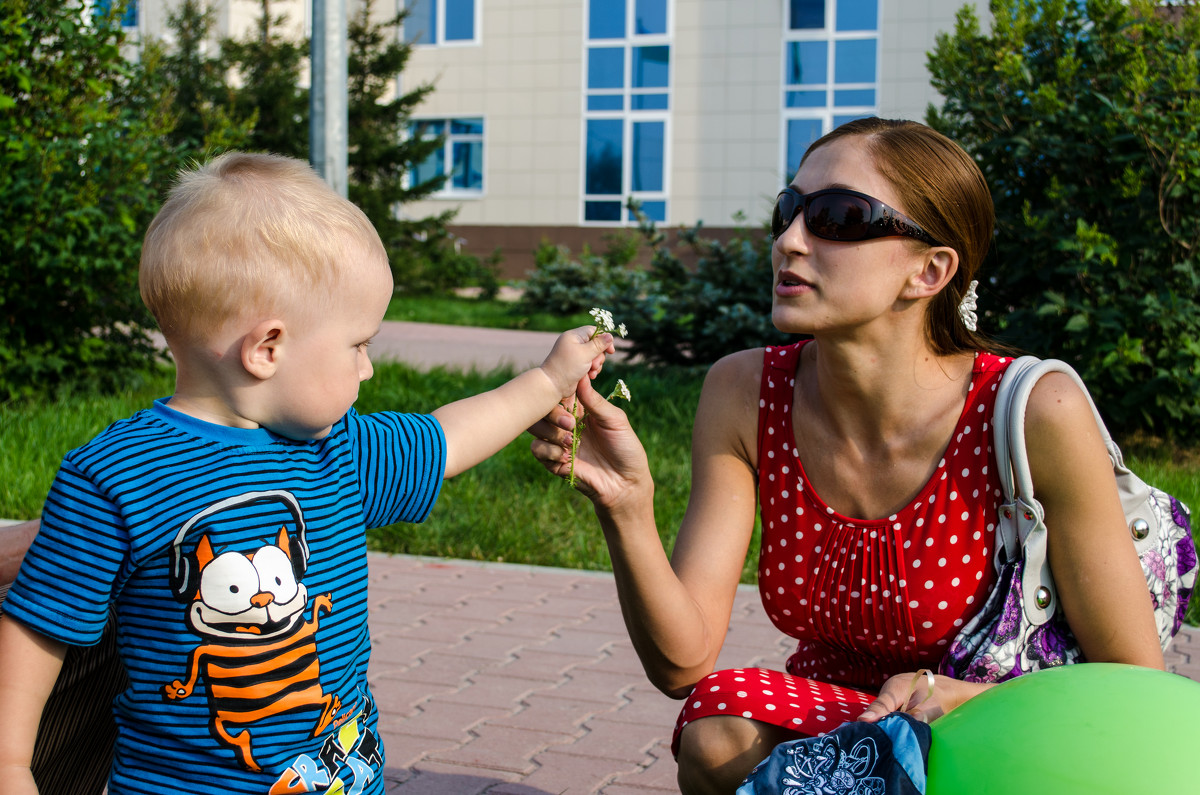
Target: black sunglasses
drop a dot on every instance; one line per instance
(841, 214)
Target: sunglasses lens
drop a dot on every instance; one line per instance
(837, 216)
(785, 211)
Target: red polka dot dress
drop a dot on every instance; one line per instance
(865, 599)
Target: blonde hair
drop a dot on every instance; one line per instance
(248, 232)
(941, 188)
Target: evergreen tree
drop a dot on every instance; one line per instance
(382, 152)
(268, 68)
(204, 125)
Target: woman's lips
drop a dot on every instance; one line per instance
(788, 284)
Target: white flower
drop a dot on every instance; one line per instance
(604, 319)
(620, 391)
(622, 330)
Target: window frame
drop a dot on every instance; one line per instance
(440, 26)
(627, 115)
(829, 114)
(449, 191)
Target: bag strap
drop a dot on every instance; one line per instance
(1021, 529)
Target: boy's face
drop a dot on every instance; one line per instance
(325, 359)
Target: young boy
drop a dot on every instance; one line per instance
(226, 522)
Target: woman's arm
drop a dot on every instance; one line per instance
(1100, 582)
(1096, 571)
(677, 610)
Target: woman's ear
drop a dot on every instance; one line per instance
(940, 265)
(262, 348)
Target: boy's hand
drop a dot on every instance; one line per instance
(577, 354)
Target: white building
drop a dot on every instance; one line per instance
(556, 111)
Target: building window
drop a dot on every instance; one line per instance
(442, 21)
(459, 160)
(102, 8)
(831, 70)
(626, 115)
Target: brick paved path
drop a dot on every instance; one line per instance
(519, 680)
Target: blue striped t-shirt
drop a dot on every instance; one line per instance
(237, 562)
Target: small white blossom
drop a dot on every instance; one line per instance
(622, 330)
(604, 319)
(620, 391)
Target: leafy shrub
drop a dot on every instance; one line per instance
(677, 314)
(723, 305)
(84, 153)
(1083, 119)
(564, 285)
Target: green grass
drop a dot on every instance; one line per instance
(478, 312)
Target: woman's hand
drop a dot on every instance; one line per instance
(924, 695)
(610, 462)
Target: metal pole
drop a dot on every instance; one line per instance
(328, 101)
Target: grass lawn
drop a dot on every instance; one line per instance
(477, 312)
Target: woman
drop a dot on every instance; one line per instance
(868, 448)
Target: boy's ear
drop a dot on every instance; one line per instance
(262, 347)
(939, 268)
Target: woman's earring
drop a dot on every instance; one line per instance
(966, 308)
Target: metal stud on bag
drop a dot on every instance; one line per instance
(1042, 597)
(1139, 529)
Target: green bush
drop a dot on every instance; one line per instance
(565, 285)
(1083, 119)
(83, 154)
(722, 306)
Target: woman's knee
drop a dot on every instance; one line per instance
(718, 752)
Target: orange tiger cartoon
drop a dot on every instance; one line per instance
(260, 655)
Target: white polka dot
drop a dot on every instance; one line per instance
(942, 605)
(747, 714)
(941, 561)
(721, 706)
(913, 603)
(928, 584)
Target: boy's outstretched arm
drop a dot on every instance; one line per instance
(29, 666)
(479, 426)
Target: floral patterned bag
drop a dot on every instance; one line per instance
(1019, 628)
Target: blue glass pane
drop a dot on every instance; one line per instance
(421, 23)
(838, 121)
(650, 101)
(427, 129)
(655, 211)
(605, 154)
(650, 16)
(460, 20)
(468, 166)
(807, 62)
(806, 14)
(800, 134)
(648, 155)
(864, 96)
(854, 61)
(606, 19)
(858, 15)
(650, 67)
(466, 126)
(606, 102)
(434, 166)
(606, 67)
(805, 99)
(602, 211)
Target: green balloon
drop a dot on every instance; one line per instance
(1091, 729)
